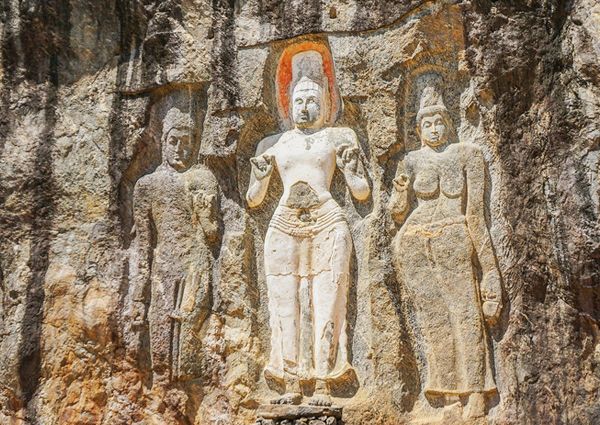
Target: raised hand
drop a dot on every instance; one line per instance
(262, 166)
(347, 158)
(401, 182)
(203, 201)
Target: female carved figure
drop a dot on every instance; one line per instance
(308, 244)
(440, 247)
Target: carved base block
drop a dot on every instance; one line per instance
(274, 414)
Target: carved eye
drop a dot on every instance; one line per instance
(311, 100)
(173, 140)
(426, 124)
(299, 101)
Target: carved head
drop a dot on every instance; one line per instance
(433, 121)
(177, 140)
(308, 103)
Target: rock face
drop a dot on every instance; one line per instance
(137, 277)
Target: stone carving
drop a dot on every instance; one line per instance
(308, 245)
(175, 216)
(437, 248)
(298, 415)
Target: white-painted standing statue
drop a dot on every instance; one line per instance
(308, 245)
(441, 248)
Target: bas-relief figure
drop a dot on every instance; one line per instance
(175, 221)
(308, 245)
(442, 242)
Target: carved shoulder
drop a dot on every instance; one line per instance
(343, 136)
(467, 148)
(470, 154)
(144, 186)
(203, 178)
(410, 160)
(267, 143)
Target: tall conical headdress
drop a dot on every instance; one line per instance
(308, 66)
(431, 103)
(307, 62)
(175, 118)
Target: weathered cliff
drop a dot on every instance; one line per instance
(85, 86)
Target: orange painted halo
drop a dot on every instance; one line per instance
(285, 75)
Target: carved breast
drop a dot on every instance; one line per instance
(305, 152)
(426, 182)
(451, 174)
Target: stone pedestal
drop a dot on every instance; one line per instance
(275, 414)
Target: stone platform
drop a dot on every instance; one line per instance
(275, 414)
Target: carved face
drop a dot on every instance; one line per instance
(178, 148)
(434, 131)
(306, 109)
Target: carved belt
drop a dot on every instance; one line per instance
(306, 222)
(435, 229)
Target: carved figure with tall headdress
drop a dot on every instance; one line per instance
(443, 245)
(308, 245)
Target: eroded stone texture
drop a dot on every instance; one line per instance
(445, 260)
(175, 220)
(84, 89)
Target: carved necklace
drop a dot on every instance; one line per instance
(309, 142)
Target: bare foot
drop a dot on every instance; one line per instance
(475, 407)
(320, 400)
(288, 398)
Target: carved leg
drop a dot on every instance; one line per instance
(329, 302)
(284, 320)
(326, 334)
(475, 407)
(464, 307)
(194, 310)
(161, 327)
(422, 278)
(330, 293)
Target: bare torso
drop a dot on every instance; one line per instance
(438, 183)
(307, 158)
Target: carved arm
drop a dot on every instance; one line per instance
(141, 251)
(491, 285)
(399, 203)
(262, 168)
(205, 214)
(349, 163)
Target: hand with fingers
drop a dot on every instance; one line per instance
(262, 166)
(347, 158)
(202, 201)
(401, 182)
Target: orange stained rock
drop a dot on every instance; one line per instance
(284, 76)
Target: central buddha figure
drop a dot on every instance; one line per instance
(308, 245)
